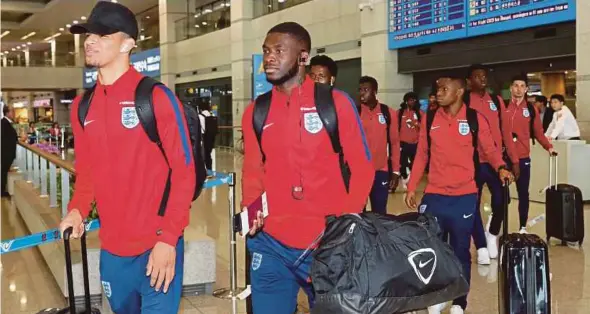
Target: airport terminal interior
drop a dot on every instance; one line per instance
(209, 53)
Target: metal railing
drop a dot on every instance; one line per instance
(48, 172)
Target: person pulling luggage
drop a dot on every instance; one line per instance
(450, 139)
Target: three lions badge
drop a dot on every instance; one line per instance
(129, 118)
(312, 122)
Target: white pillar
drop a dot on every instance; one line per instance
(583, 67)
(77, 57)
(376, 58)
(53, 52)
(5, 60)
(18, 58)
(169, 12)
(27, 57)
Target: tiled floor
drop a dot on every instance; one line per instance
(28, 287)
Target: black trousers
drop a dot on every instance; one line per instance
(208, 145)
(5, 168)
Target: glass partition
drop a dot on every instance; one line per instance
(264, 7)
(202, 18)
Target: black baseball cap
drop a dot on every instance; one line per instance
(108, 18)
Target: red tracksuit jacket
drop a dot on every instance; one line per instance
(517, 120)
(299, 153)
(408, 134)
(487, 108)
(119, 167)
(451, 154)
(375, 128)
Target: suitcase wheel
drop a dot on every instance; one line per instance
(563, 243)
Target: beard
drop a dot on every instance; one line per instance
(289, 75)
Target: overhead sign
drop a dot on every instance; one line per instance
(259, 83)
(418, 22)
(39, 103)
(145, 62)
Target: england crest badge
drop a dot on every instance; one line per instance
(129, 117)
(381, 118)
(526, 113)
(312, 122)
(463, 128)
(493, 106)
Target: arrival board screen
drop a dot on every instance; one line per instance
(418, 22)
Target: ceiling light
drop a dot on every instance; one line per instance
(204, 23)
(4, 33)
(197, 26)
(75, 22)
(5, 51)
(56, 35)
(48, 38)
(61, 29)
(115, 1)
(83, 18)
(228, 3)
(29, 43)
(13, 49)
(147, 17)
(68, 25)
(142, 29)
(270, 5)
(281, 1)
(28, 35)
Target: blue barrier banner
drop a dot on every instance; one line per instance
(259, 82)
(146, 62)
(52, 235)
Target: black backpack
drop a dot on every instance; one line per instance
(473, 126)
(211, 127)
(373, 264)
(145, 112)
(385, 111)
(324, 102)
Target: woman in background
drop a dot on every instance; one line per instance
(564, 125)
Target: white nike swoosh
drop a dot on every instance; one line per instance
(384, 183)
(421, 265)
(267, 126)
(467, 216)
(88, 122)
(527, 163)
(435, 127)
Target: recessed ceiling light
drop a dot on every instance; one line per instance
(204, 23)
(61, 29)
(147, 17)
(4, 33)
(68, 25)
(5, 51)
(28, 35)
(115, 1)
(13, 49)
(75, 22)
(197, 26)
(142, 29)
(29, 43)
(83, 18)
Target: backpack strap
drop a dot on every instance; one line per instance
(84, 105)
(259, 116)
(474, 127)
(400, 113)
(324, 102)
(387, 116)
(144, 107)
(429, 120)
(533, 115)
(467, 98)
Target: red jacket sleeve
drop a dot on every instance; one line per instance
(421, 159)
(83, 188)
(174, 135)
(356, 152)
(539, 134)
(506, 129)
(395, 141)
(253, 167)
(485, 143)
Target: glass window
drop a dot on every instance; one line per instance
(202, 19)
(264, 7)
(148, 23)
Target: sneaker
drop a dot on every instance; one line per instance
(523, 230)
(492, 245)
(483, 257)
(483, 270)
(405, 183)
(436, 309)
(456, 309)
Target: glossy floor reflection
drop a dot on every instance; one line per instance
(28, 287)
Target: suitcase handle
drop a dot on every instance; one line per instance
(553, 170)
(70, 276)
(505, 201)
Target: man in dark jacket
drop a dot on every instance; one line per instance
(9, 139)
(545, 112)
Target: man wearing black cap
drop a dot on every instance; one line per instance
(141, 263)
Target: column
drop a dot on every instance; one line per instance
(241, 59)
(30, 110)
(27, 57)
(18, 58)
(583, 67)
(78, 58)
(169, 12)
(4, 60)
(376, 58)
(53, 52)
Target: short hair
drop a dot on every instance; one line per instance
(540, 98)
(520, 77)
(475, 67)
(455, 78)
(558, 97)
(371, 80)
(432, 94)
(323, 60)
(5, 110)
(410, 95)
(295, 30)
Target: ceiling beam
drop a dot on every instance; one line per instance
(9, 25)
(22, 6)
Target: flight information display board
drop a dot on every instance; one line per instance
(418, 22)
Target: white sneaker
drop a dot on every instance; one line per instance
(492, 245)
(456, 309)
(483, 257)
(436, 309)
(523, 230)
(483, 270)
(405, 183)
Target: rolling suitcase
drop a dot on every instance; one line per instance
(523, 285)
(72, 308)
(564, 208)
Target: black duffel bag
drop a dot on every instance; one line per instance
(372, 263)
